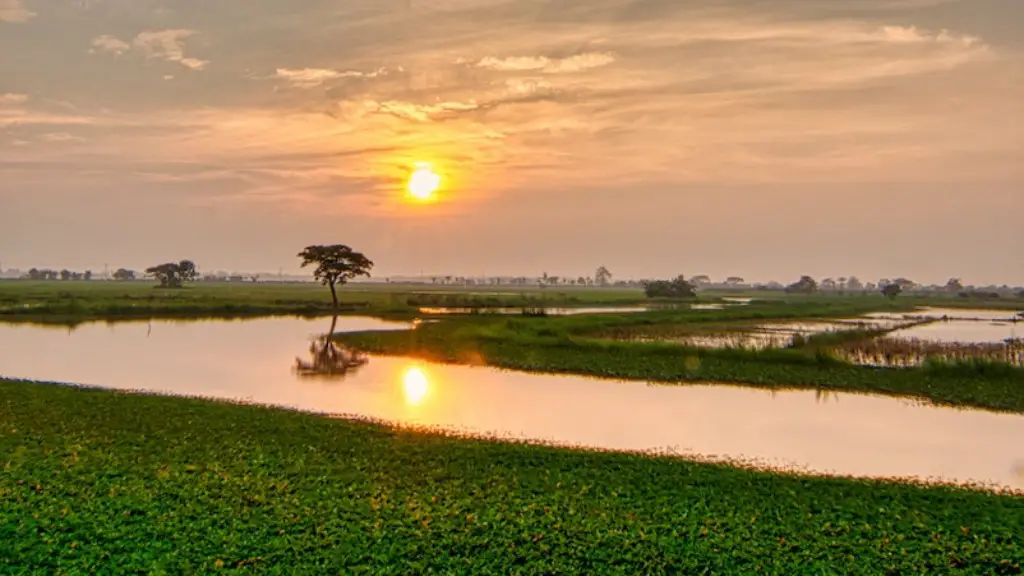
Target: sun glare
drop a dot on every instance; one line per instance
(415, 385)
(424, 182)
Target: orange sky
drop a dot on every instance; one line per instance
(726, 137)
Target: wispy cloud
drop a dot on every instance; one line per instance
(168, 45)
(107, 43)
(313, 77)
(162, 44)
(9, 99)
(569, 64)
(15, 11)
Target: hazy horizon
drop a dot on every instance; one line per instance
(765, 140)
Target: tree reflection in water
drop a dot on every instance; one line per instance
(330, 360)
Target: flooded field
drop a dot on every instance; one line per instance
(281, 362)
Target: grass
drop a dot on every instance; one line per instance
(78, 301)
(577, 345)
(105, 482)
(71, 302)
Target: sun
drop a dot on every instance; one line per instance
(424, 182)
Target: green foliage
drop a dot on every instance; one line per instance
(104, 482)
(336, 264)
(173, 274)
(574, 345)
(806, 285)
(678, 287)
(124, 275)
(892, 290)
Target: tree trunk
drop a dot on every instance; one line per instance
(334, 295)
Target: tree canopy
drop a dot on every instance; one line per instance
(173, 275)
(675, 288)
(335, 264)
(892, 290)
(805, 284)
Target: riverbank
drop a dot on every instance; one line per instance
(103, 480)
(575, 345)
(77, 301)
(74, 302)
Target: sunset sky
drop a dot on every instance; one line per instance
(764, 139)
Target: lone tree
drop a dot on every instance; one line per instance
(603, 276)
(335, 265)
(805, 285)
(892, 290)
(173, 275)
(124, 275)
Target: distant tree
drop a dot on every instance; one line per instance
(87, 275)
(603, 276)
(854, 283)
(124, 275)
(828, 284)
(581, 281)
(700, 280)
(676, 288)
(335, 264)
(734, 281)
(65, 275)
(892, 290)
(805, 285)
(954, 285)
(905, 284)
(35, 274)
(173, 275)
(841, 282)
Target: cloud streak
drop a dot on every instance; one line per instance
(154, 44)
(313, 77)
(544, 64)
(14, 11)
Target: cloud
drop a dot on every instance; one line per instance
(107, 43)
(10, 99)
(15, 11)
(313, 77)
(425, 112)
(58, 137)
(167, 44)
(163, 44)
(575, 63)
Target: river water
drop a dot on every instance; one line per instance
(255, 360)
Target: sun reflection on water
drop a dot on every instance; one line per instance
(415, 385)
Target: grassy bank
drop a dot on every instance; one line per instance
(78, 301)
(571, 345)
(69, 302)
(98, 481)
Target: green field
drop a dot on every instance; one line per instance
(79, 301)
(70, 302)
(99, 482)
(580, 345)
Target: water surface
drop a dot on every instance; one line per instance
(255, 360)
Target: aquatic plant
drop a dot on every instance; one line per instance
(106, 482)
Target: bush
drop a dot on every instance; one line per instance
(677, 288)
